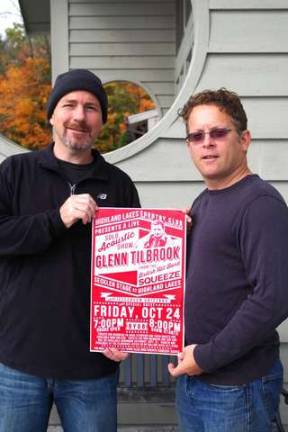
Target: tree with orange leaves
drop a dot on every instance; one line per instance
(24, 89)
(125, 98)
(23, 94)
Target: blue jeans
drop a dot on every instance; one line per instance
(83, 405)
(252, 407)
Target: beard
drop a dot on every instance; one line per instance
(76, 136)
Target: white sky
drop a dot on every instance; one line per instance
(9, 13)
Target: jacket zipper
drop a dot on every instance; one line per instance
(72, 188)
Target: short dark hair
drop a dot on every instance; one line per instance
(225, 100)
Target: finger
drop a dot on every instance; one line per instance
(115, 355)
(85, 219)
(172, 369)
(84, 199)
(91, 209)
(83, 209)
(187, 212)
(108, 354)
(178, 370)
(77, 212)
(67, 213)
(77, 207)
(119, 355)
(88, 204)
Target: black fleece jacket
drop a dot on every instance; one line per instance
(45, 267)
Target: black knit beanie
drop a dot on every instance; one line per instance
(77, 79)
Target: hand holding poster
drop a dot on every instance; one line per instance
(137, 286)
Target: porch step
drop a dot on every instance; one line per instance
(155, 428)
(160, 418)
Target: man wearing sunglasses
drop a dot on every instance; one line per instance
(230, 375)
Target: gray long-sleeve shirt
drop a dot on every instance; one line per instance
(237, 280)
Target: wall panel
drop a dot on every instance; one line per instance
(248, 30)
(126, 40)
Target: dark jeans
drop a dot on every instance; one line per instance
(204, 407)
(83, 405)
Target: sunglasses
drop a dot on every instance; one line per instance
(215, 133)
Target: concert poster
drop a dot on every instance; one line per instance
(137, 280)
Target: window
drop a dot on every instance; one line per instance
(132, 112)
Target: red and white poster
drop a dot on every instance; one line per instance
(137, 286)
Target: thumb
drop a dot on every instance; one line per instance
(175, 371)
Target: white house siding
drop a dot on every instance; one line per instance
(184, 54)
(8, 148)
(126, 40)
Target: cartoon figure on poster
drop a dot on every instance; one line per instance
(158, 237)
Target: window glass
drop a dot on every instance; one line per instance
(131, 113)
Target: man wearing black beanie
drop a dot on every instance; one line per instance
(47, 201)
(77, 79)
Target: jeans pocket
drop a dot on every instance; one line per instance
(271, 386)
(226, 388)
